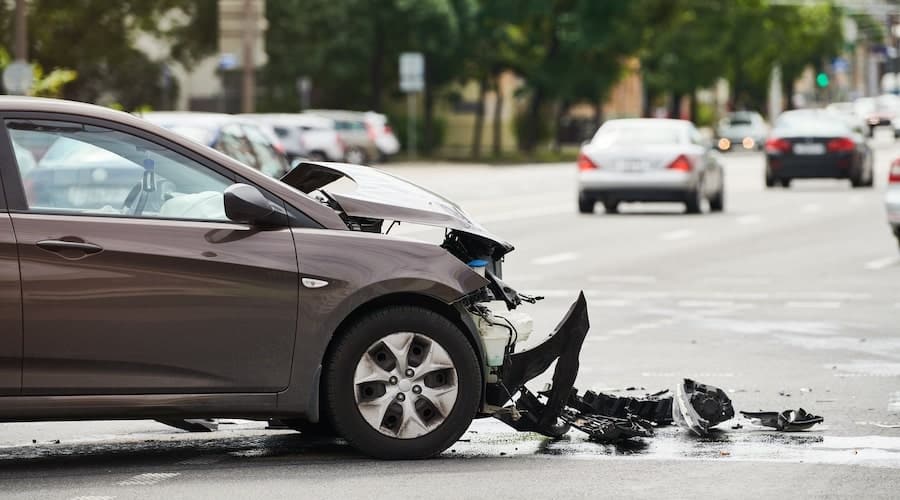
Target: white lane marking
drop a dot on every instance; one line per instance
(811, 208)
(93, 497)
(638, 279)
(705, 303)
(749, 219)
(525, 213)
(894, 403)
(610, 303)
(877, 264)
(556, 258)
(678, 234)
(149, 479)
(822, 304)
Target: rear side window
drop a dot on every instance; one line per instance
(281, 132)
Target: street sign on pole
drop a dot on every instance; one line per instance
(412, 81)
(412, 72)
(18, 78)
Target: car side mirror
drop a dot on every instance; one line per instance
(247, 205)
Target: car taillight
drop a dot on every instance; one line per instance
(340, 142)
(894, 175)
(585, 163)
(841, 145)
(681, 164)
(778, 146)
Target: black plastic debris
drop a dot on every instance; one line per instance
(530, 415)
(787, 421)
(699, 407)
(603, 429)
(654, 408)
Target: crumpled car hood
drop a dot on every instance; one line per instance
(380, 195)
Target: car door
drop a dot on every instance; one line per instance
(10, 308)
(133, 279)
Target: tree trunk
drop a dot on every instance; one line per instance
(787, 89)
(675, 105)
(647, 105)
(598, 118)
(478, 129)
(532, 131)
(561, 109)
(497, 124)
(694, 106)
(428, 113)
(376, 65)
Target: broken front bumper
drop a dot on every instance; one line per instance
(563, 345)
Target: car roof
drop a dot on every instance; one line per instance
(206, 120)
(649, 121)
(291, 119)
(338, 114)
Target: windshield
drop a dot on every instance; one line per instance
(638, 133)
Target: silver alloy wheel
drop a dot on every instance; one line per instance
(405, 385)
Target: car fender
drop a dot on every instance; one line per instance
(350, 269)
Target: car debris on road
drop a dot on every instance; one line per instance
(788, 420)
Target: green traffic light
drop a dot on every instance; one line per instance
(822, 80)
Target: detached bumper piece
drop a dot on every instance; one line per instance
(787, 421)
(603, 429)
(564, 345)
(699, 407)
(653, 408)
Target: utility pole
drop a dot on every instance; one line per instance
(21, 49)
(248, 94)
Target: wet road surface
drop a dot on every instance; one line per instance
(789, 299)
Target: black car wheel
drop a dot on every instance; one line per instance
(586, 204)
(694, 202)
(717, 202)
(785, 183)
(611, 206)
(402, 383)
(770, 179)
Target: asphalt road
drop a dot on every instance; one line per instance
(789, 299)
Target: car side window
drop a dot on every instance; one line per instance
(270, 162)
(80, 169)
(233, 142)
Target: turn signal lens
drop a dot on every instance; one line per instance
(682, 164)
(841, 145)
(585, 163)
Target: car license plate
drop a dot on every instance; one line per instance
(633, 165)
(809, 149)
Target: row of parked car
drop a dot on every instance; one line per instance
(320, 135)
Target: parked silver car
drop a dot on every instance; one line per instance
(649, 160)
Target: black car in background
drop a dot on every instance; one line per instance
(812, 143)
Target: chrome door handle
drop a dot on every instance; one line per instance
(63, 245)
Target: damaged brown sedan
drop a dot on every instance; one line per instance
(143, 275)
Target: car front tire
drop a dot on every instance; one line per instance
(402, 383)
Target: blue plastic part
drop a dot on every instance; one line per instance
(478, 263)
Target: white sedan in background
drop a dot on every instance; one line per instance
(892, 198)
(649, 160)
